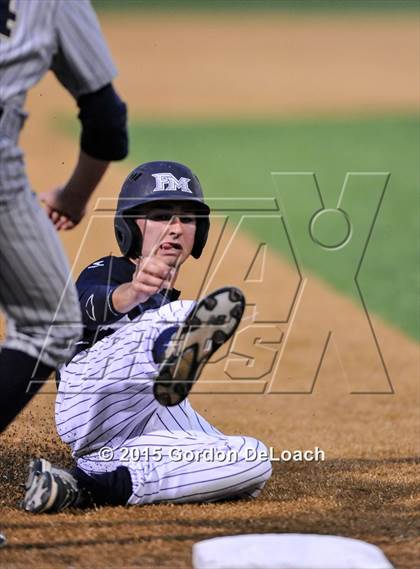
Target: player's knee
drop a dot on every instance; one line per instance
(255, 455)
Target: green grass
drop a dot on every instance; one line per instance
(236, 159)
(296, 6)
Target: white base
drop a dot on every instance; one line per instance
(287, 551)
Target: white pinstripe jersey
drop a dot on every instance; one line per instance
(61, 35)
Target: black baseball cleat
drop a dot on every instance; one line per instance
(211, 323)
(49, 489)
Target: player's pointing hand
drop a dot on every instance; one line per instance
(151, 276)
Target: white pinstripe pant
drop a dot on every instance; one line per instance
(36, 293)
(105, 401)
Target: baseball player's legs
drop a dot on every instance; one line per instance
(213, 468)
(32, 290)
(41, 305)
(179, 466)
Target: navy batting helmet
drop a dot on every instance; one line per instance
(158, 182)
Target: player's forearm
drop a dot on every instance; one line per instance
(84, 179)
(125, 298)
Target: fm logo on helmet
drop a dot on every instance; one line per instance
(166, 182)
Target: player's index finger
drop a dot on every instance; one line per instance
(155, 266)
(138, 265)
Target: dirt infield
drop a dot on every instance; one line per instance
(366, 488)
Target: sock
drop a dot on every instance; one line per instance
(161, 343)
(17, 370)
(108, 488)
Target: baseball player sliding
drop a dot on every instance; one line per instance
(122, 400)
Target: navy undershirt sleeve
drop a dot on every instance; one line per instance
(95, 286)
(104, 124)
(96, 306)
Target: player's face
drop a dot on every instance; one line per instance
(168, 231)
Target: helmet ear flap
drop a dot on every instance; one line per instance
(201, 234)
(128, 236)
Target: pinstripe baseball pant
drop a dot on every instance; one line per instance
(105, 403)
(36, 292)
